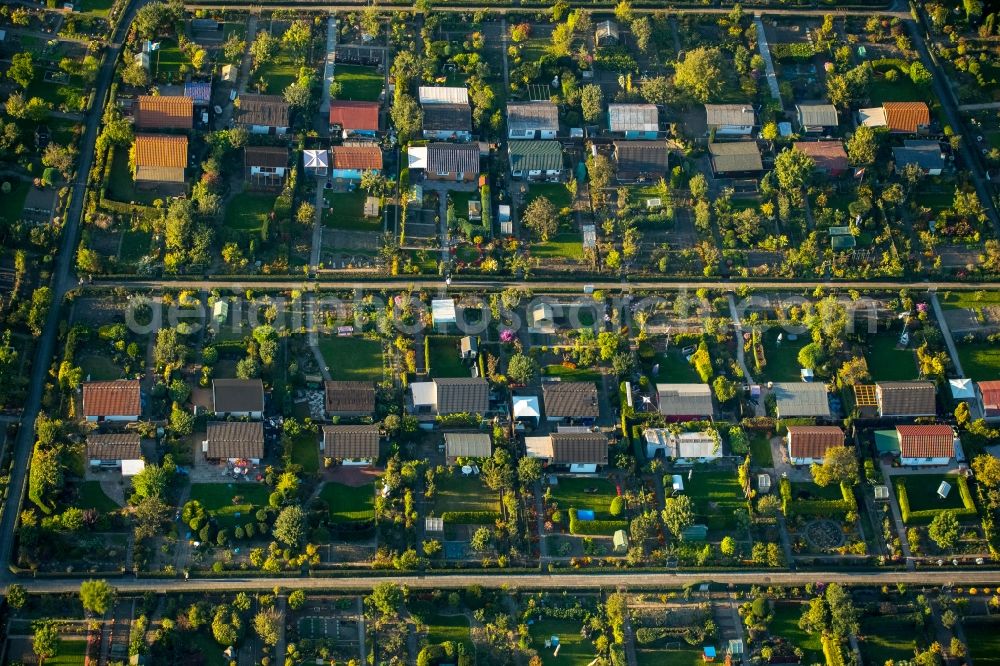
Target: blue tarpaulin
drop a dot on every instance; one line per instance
(584, 514)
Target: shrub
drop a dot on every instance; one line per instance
(617, 506)
(471, 517)
(597, 527)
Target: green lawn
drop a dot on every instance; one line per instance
(167, 60)
(121, 186)
(760, 450)
(973, 300)
(92, 497)
(204, 646)
(564, 245)
(445, 361)
(71, 652)
(984, 643)
(921, 490)
(98, 367)
(352, 358)
(349, 504)
(574, 650)
(717, 497)
(786, 625)
(809, 490)
(900, 90)
(95, 7)
(305, 452)
(935, 200)
(674, 368)
(360, 83)
(11, 205)
(572, 374)
(887, 638)
(782, 358)
(70, 92)
(980, 360)
(887, 363)
(686, 656)
(277, 74)
(231, 504)
(571, 493)
(346, 210)
(135, 245)
(455, 628)
(463, 493)
(247, 212)
(554, 192)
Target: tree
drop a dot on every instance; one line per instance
(233, 256)
(17, 596)
(296, 38)
(181, 420)
(843, 615)
(373, 182)
(529, 470)
(591, 102)
(728, 546)
(45, 641)
(623, 11)
(522, 369)
(152, 481)
(698, 186)
(482, 540)
(297, 599)
(840, 465)
(264, 48)
(542, 218)
(656, 90)
(725, 388)
(267, 624)
(642, 30)
(298, 94)
(987, 470)
(234, 47)
(498, 471)
(919, 74)
(58, 157)
(226, 626)
(386, 598)
(811, 355)
(289, 526)
(134, 74)
(407, 117)
(944, 530)
(22, 69)
(699, 75)
(96, 596)
(862, 147)
(793, 168)
(41, 301)
(678, 514)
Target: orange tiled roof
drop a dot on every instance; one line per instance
(813, 441)
(926, 441)
(991, 394)
(354, 115)
(356, 157)
(161, 150)
(165, 112)
(906, 116)
(117, 398)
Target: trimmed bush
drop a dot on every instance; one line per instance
(470, 517)
(594, 527)
(617, 506)
(927, 515)
(792, 506)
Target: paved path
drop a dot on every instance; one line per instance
(765, 53)
(979, 107)
(62, 281)
(310, 305)
(897, 518)
(317, 232)
(328, 68)
(946, 332)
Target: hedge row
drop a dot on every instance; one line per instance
(600, 527)
(833, 651)
(968, 505)
(470, 517)
(792, 506)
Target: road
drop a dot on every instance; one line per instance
(62, 282)
(536, 581)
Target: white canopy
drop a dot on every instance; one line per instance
(443, 311)
(316, 159)
(132, 467)
(424, 393)
(962, 389)
(417, 157)
(526, 407)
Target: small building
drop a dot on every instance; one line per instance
(118, 400)
(606, 33)
(962, 389)
(351, 160)
(541, 320)
(926, 444)
(468, 347)
(456, 162)
(907, 117)
(685, 402)
(160, 160)
(354, 119)
(262, 114)
(316, 162)
(829, 156)
(114, 451)
(570, 400)
(234, 441)
(200, 92)
(532, 120)
(639, 161)
(447, 122)
(927, 155)
(581, 452)
(142, 59)
(164, 112)
(220, 311)
(865, 401)
(536, 160)
(686, 448)
(265, 167)
(443, 95)
(433, 525)
(526, 409)
(737, 157)
(467, 445)
(504, 219)
(348, 399)
(238, 398)
(443, 313)
(454, 395)
(809, 444)
(620, 542)
(634, 121)
(730, 119)
(906, 399)
(816, 118)
(800, 399)
(350, 444)
(230, 73)
(989, 393)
